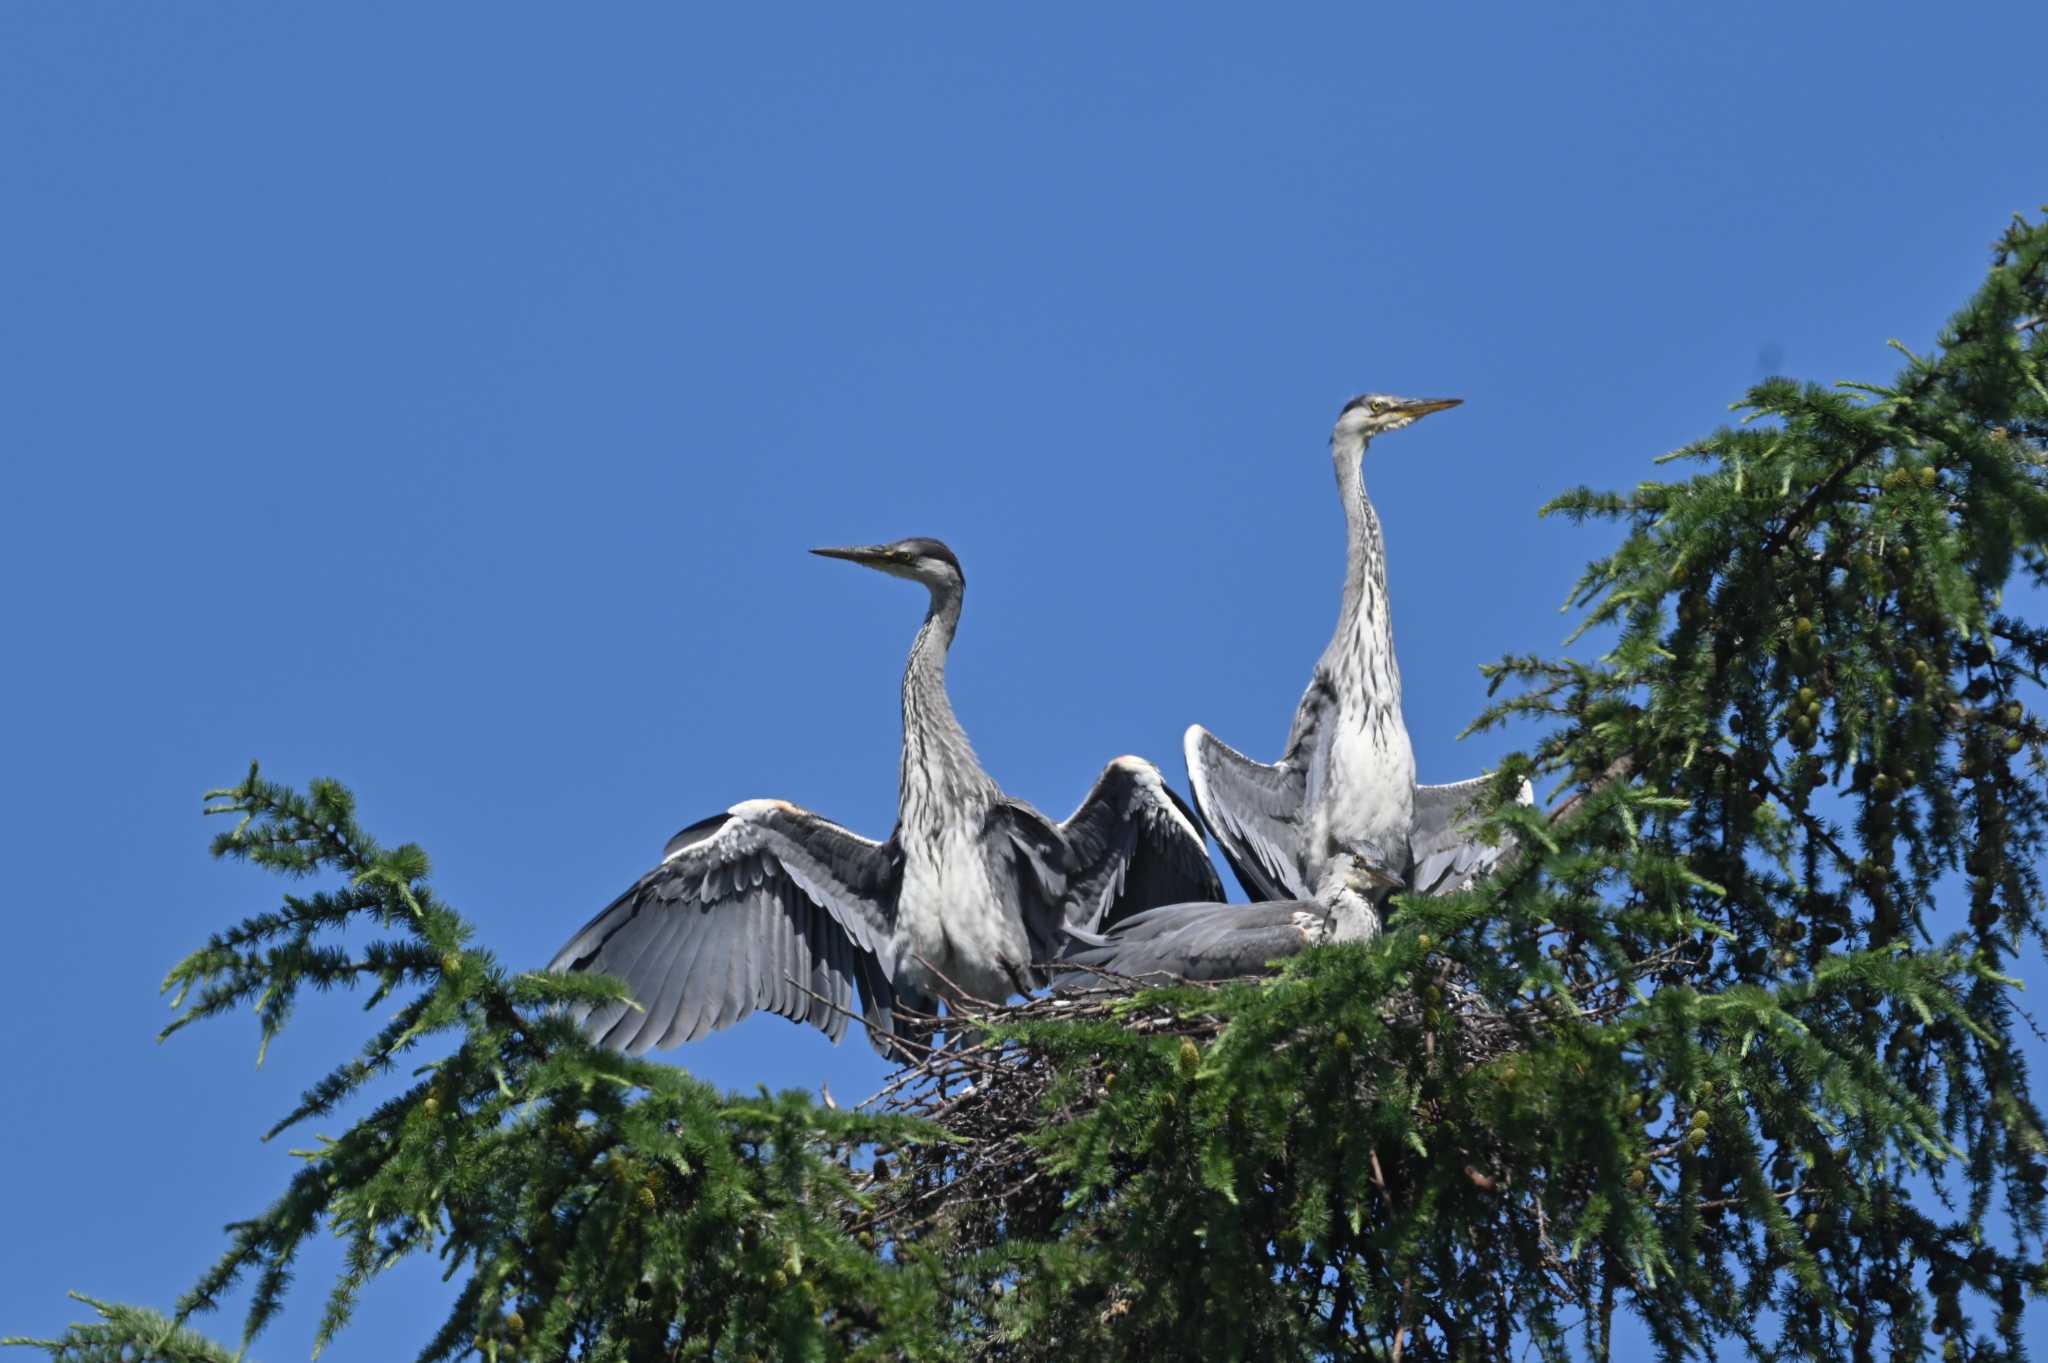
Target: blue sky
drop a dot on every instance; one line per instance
(442, 398)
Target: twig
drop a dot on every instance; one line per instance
(1783, 534)
(958, 992)
(895, 1037)
(1618, 770)
(1407, 1314)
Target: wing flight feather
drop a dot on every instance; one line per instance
(1136, 846)
(1446, 857)
(1254, 812)
(747, 910)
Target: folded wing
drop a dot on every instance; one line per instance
(767, 907)
(1197, 942)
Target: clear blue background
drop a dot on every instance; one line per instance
(442, 398)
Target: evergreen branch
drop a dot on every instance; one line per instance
(127, 1334)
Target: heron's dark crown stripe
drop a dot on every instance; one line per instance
(926, 547)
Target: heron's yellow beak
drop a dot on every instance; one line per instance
(869, 554)
(1421, 407)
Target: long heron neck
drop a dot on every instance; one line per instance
(1362, 652)
(941, 776)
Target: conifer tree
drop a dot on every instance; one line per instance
(1729, 1045)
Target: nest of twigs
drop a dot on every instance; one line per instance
(988, 1079)
(991, 1086)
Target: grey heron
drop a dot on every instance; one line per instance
(1346, 781)
(768, 906)
(1216, 941)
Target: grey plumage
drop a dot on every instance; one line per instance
(1197, 942)
(771, 907)
(1139, 844)
(1445, 856)
(747, 910)
(1254, 811)
(1345, 783)
(1210, 941)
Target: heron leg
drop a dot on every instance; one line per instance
(915, 1025)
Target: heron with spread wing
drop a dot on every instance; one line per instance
(771, 907)
(1346, 782)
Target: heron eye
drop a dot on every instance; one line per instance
(1377, 406)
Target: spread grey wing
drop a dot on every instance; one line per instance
(765, 907)
(1197, 942)
(1446, 857)
(1136, 846)
(1255, 812)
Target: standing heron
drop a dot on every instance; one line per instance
(1346, 782)
(770, 906)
